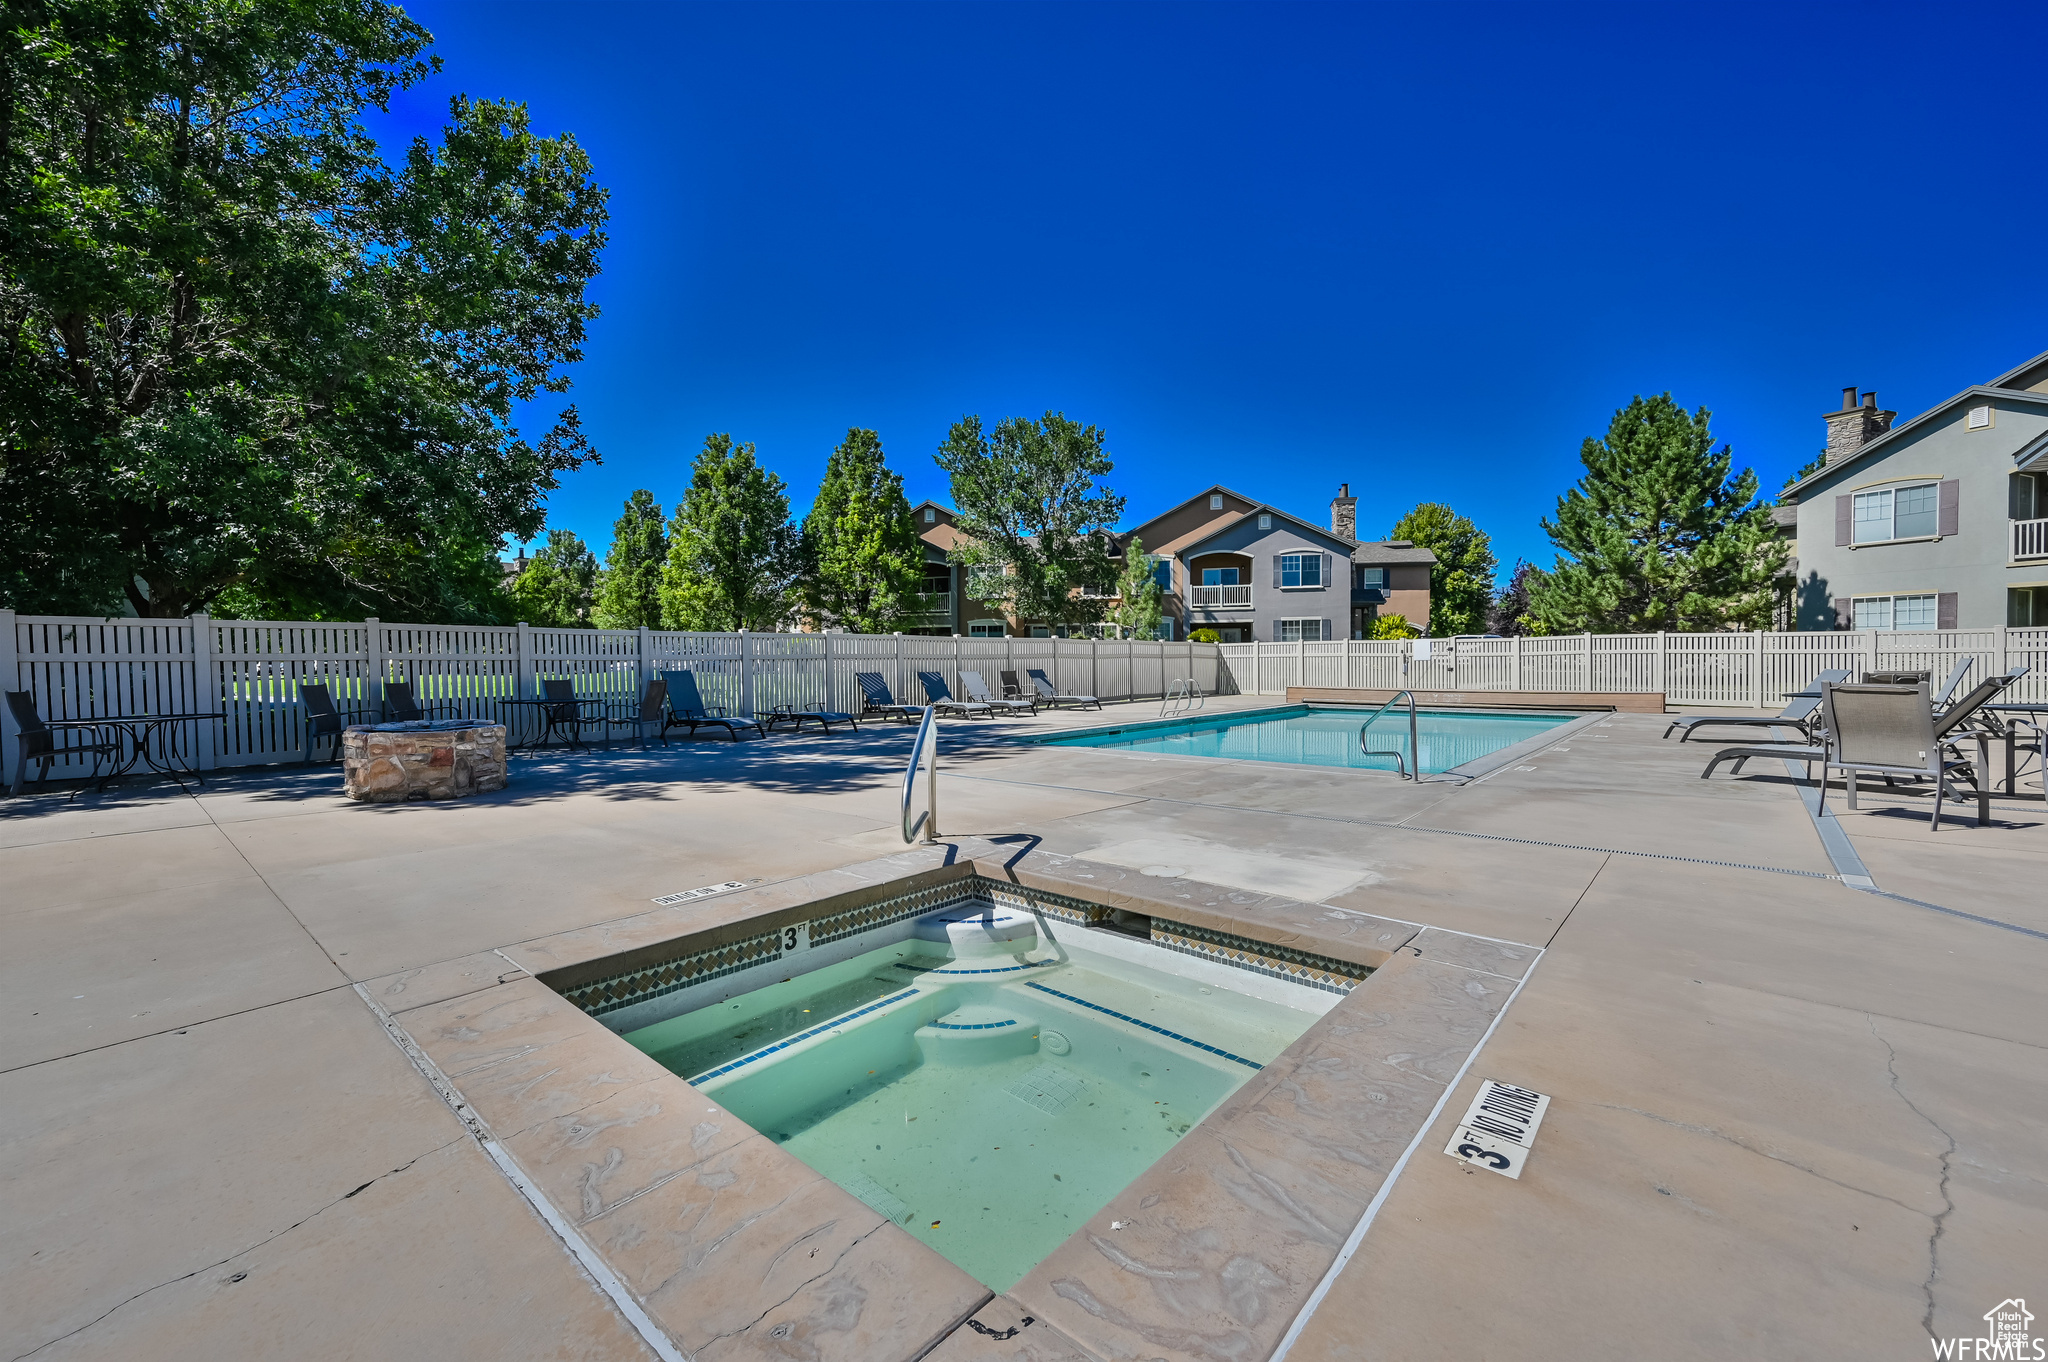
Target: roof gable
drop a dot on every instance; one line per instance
(2029, 377)
(1920, 424)
(1210, 532)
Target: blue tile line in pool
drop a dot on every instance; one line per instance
(973, 1026)
(745, 1060)
(1171, 1035)
(1000, 969)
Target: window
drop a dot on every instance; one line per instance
(1895, 612)
(1215, 501)
(1219, 577)
(1265, 522)
(1162, 571)
(931, 517)
(985, 629)
(1301, 631)
(1979, 418)
(1373, 578)
(1910, 512)
(1301, 569)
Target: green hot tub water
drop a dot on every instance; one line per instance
(988, 1101)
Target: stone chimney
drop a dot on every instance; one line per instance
(1344, 513)
(1855, 425)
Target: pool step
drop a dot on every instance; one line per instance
(979, 1033)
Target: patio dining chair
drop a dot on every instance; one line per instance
(36, 741)
(323, 720)
(1798, 714)
(563, 710)
(977, 691)
(877, 702)
(401, 707)
(942, 699)
(651, 712)
(1888, 731)
(688, 711)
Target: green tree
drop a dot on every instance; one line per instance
(629, 591)
(1461, 580)
(733, 556)
(1391, 626)
(1510, 616)
(1027, 499)
(1659, 533)
(248, 362)
(1138, 612)
(557, 588)
(863, 561)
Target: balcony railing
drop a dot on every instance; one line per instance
(1222, 597)
(2030, 539)
(927, 608)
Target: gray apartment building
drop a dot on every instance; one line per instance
(1938, 522)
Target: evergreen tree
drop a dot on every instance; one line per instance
(1137, 611)
(1461, 580)
(555, 590)
(629, 594)
(732, 553)
(1027, 499)
(1658, 533)
(863, 561)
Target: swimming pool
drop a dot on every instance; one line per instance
(1327, 737)
(988, 1085)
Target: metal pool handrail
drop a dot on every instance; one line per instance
(926, 741)
(1183, 696)
(1413, 749)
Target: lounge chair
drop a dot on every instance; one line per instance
(977, 691)
(942, 698)
(1955, 678)
(877, 702)
(1053, 697)
(400, 706)
(323, 720)
(35, 740)
(1789, 751)
(823, 717)
(688, 711)
(651, 712)
(1888, 731)
(1798, 714)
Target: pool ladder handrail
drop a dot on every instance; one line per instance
(925, 744)
(1413, 749)
(1183, 696)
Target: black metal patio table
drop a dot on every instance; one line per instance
(153, 739)
(548, 722)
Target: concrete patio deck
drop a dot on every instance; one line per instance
(1788, 1117)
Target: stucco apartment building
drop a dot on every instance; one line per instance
(1248, 570)
(1939, 522)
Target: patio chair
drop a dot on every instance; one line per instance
(977, 691)
(567, 714)
(36, 741)
(687, 710)
(942, 699)
(1053, 697)
(323, 720)
(1884, 730)
(651, 712)
(1798, 714)
(1955, 678)
(1013, 689)
(400, 706)
(877, 701)
(797, 714)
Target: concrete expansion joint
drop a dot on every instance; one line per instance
(239, 1253)
(1948, 1204)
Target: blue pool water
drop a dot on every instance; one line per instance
(1324, 737)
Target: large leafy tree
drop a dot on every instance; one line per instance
(559, 584)
(629, 591)
(863, 561)
(1027, 499)
(247, 362)
(1510, 615)
(1138, 613)
(733, 556)
(1659, 533)
(1461, 581)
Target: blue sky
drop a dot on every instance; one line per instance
(1424, 249)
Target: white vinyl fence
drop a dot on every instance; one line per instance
(1753, 670)
(81, 668)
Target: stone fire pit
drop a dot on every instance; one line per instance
(422, 759)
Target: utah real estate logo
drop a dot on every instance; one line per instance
(2007, 1336)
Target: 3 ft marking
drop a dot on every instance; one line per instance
(670, 900)
(796, 937)
(1499, 1128)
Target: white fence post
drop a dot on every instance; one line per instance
(522, 682)
(10, 679)
(1515, 653)
(1871, 665)
(640, 671)
(1756, 672)
(2004, 649)
(1586, 663)
(373, 648)
(746, 673)
(206, 692)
